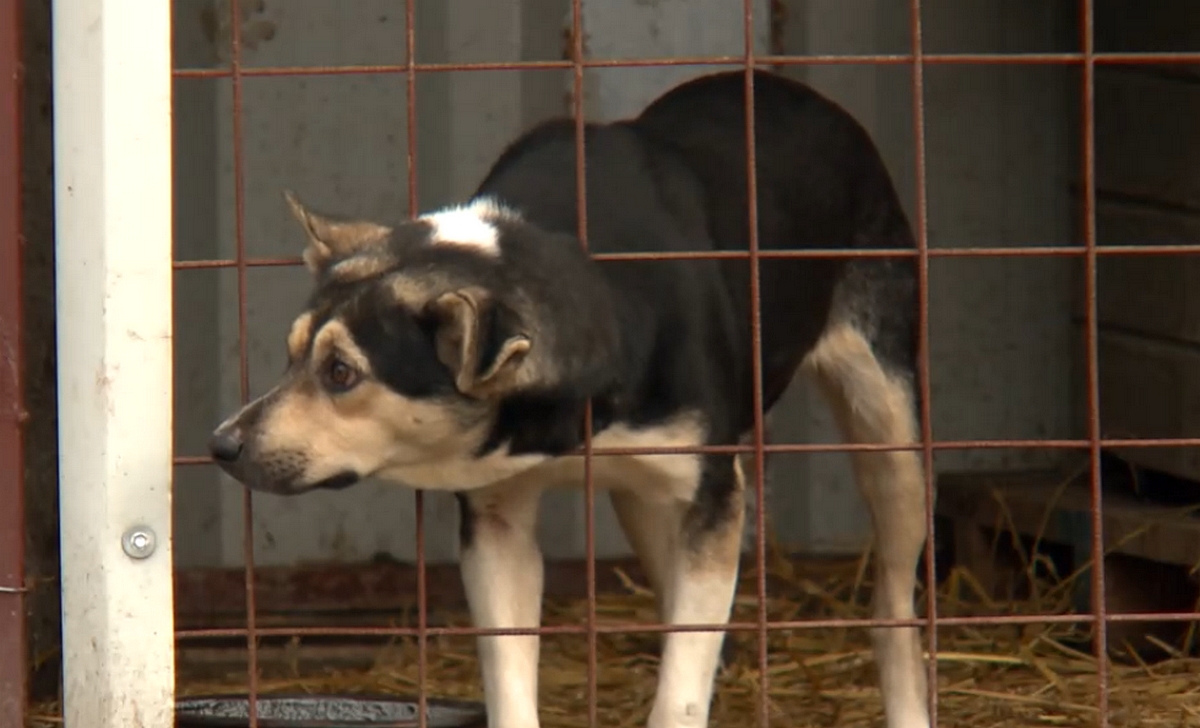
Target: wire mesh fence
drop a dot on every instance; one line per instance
(918, 60)
(1088, 251)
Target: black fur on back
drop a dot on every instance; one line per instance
(674, 179)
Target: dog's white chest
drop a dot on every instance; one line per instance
(665, 477)
(659, 477)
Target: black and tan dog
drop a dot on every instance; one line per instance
(456, 352)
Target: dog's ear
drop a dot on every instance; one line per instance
(330, 240)
(481, 343)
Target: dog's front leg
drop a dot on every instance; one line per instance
(699, 588)
(502, 575)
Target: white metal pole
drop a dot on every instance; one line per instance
(112, 146)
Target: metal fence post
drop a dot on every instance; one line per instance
(14, 662)
(112, 123)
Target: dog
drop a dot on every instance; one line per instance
(458, 351)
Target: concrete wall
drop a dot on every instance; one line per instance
(999, 164)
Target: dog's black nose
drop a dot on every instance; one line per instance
(225, 445)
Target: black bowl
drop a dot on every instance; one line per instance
(325, 711)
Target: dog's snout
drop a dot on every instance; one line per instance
(226, 444)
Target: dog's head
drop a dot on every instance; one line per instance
(413, 336)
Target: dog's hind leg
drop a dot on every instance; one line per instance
(502, 574)
(873, 404)
(693, 548)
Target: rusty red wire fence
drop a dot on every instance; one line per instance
(1088, 250)
(13, 657)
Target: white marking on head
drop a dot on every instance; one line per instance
(472, 225)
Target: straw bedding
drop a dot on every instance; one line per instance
(990, 677)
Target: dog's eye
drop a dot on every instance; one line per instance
(340, 376)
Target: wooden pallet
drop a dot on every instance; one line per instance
(1058, 509)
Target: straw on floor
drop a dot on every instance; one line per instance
(1001, 677)
(988, 677)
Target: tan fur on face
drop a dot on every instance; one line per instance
(366, 431)
(370, 430)
(333, 338)
(298, 336)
